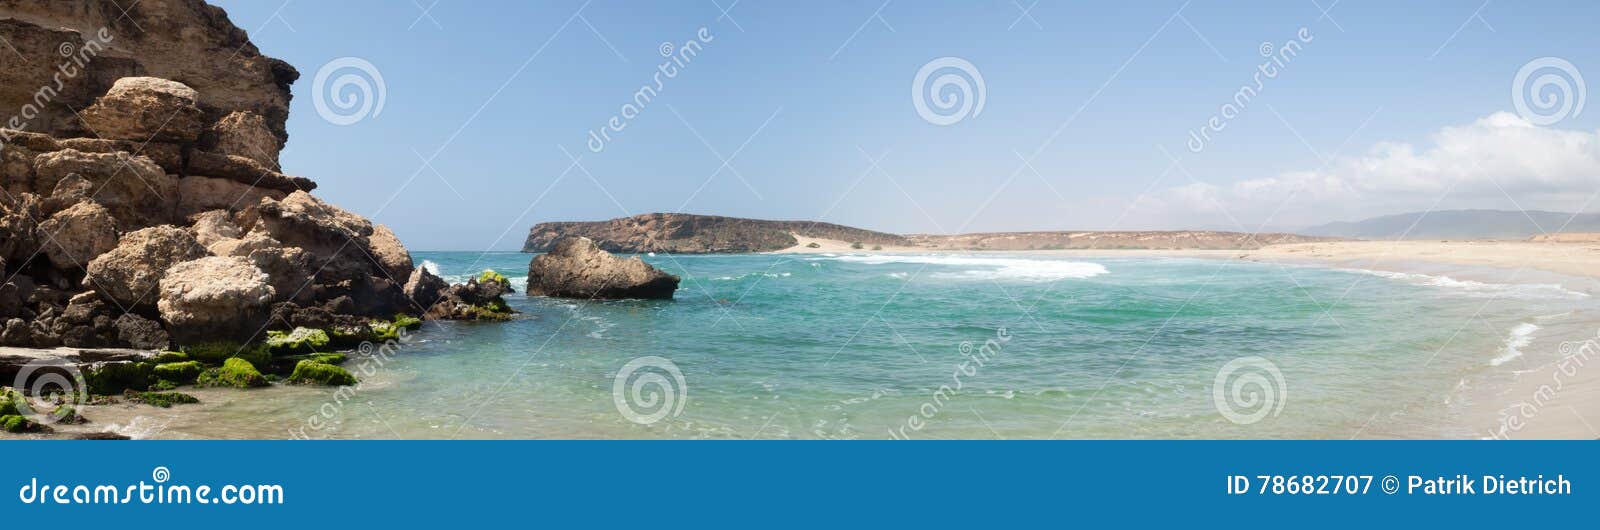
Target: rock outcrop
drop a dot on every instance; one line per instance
(215, 298)
(481, 298)
(425, 289)
(131, 272)
(145, 204)
(578, 268)
(143, 109)
(136, 190)
(78, 235)
(185, 41)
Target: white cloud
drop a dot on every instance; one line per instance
(1500, 161)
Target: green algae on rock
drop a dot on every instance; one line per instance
(17, 424)
(113, 378)
(234, 372)
(180, 373)
(309, 372)
(161, 399)
(301, 340)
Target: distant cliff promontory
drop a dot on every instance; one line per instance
(680, 233)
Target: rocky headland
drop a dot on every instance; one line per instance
(679, 233)
(149, 238)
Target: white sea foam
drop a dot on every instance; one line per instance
(139, 427)
(1513, 290)
(988, 268)
(431, 267)
(752, 274)
(1521, 335)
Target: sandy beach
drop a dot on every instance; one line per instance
(1559, 400)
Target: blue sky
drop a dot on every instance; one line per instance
(1085, 124)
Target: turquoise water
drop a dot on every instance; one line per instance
(840, 346)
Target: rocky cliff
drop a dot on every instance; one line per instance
(73, 51)
(696, 234)
(144, 204)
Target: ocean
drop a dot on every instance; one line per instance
(941, 346)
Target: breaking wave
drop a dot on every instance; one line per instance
(1519, 338)
(1515, 290)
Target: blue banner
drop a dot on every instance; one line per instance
(757, 484)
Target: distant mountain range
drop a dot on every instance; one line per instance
(1460, 224)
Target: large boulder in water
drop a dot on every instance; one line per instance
(215, 298)
(577, 268)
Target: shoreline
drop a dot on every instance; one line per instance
(1573, 260)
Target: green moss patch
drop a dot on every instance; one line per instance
(384, 331)
(180, 373)
(235, 373)
(329, 358)
(161, 399)
(8, 402)
(67, 414)
(114, 378)
(496, 310)
(489, 275)
(218, 352)
(310, 372)
(407, 321)
(17, 424)
(301, 340)
(170, 357)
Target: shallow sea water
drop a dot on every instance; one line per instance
(972, 346)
